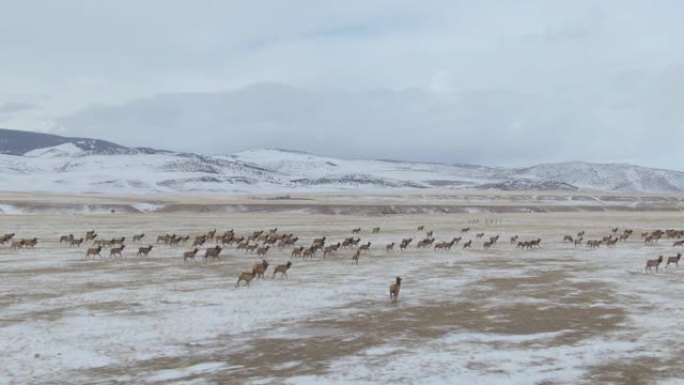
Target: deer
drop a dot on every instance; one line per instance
(479, 235)
(330, 249)
(653, 263)
(297, 251)
(190, 254)
(394, 289)
(282, 269)
(355, 257)
(376, 230)
(118, 241)
(308, 252)
(76, 242)
(421, 228)
(138, 237)
(211, 235)
(66, 238)
(212, 252)
(678, 244)
(144, 251)
(446, 245)
(487, 244)
(468, 244)
(94, 251)
(674, 260)
(364, 247)
(389, 247)
(568, 238)
(356, 230)
(514, 239)
(90, 235)
(404, 243)
(116, 251)
(199, 241)
(261, 251)
(246, 276)
(6, 238)
(465, 230)
(260, 268)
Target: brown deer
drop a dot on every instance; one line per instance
(389, 247)
(211, 235)
(356, 230)
(282, 269)
(199, 241)
(297, 251)
(674, 260)
(66, 238)
(364, 247)
(90, 235)
(116, 251)
(118, 241)
(678, 244)
(653, 263)
(247, 276)
(468, 244)
(394, 289)
(329, 250)
(421, 228)
(355, 257)
(6, 238)
(309, 252)
(465, 230)
(514, 239)
(212, 252)
(479, 235)
(568, 238)
(261, 251)
(376, 230)
(190, 254)
(260, 268)
(76, 242)
(94, 251)
(138, 237)
(404, 243)
(144, 251)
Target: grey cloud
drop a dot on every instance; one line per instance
(12, 107)
(496, 127)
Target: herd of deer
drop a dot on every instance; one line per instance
(262, 241)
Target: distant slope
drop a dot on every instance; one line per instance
(42, 162)
(14, 142)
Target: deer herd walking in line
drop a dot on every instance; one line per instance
(260, 242)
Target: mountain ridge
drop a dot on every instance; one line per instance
(46, 162)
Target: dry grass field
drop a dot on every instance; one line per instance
(557, 314)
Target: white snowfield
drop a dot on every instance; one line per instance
(558, 314)
(67, 168)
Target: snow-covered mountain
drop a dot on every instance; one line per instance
(85, 165)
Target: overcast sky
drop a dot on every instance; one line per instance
(505, 83)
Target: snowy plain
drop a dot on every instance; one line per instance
(555, 315)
